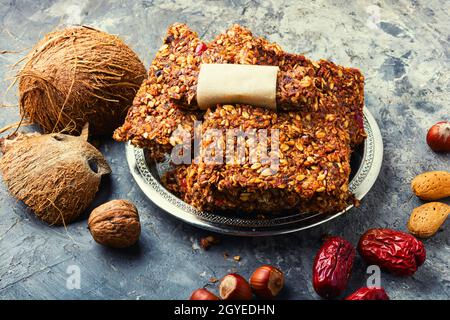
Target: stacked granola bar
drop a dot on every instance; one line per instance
(319, 121)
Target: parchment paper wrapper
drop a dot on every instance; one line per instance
(237, 84)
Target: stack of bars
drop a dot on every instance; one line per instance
(319, 120)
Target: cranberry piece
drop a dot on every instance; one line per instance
(359, 120)
(201, 47)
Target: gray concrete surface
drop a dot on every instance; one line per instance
(402, 47)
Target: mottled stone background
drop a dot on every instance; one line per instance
(402, 47)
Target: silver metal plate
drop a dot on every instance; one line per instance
(366, 164)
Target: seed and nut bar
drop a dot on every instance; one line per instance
(301, 82)
(153, 117)
(151, 122)
(312, 176)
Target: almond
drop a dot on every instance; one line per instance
(432, 185)
(426, 220)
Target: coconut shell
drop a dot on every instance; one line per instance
(79, 75)
(56, 175)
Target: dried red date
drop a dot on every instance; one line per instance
(394, 251)
(332, 267)
(368, 294)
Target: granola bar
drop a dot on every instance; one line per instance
(154, 117)
(150, 121)
(301, 82)
(312, 176)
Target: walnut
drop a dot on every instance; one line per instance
(115, 224)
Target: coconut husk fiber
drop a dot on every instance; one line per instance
(55, 175)
(79, 75)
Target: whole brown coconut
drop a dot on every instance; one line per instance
(56, 175)
(79, 75)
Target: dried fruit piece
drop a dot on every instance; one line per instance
(213, 280)
(394, 251)
(115, 224)
(368, 294)
(203, 294)
(438, 137)
(201, 47)
(426, 219)
(332, 267)
(235, 287)
(267, 281)
(432, 185)
(209, 241)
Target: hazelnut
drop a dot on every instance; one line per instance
(267, 281)
(438, 137)
(203, 294)
(115, 224)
